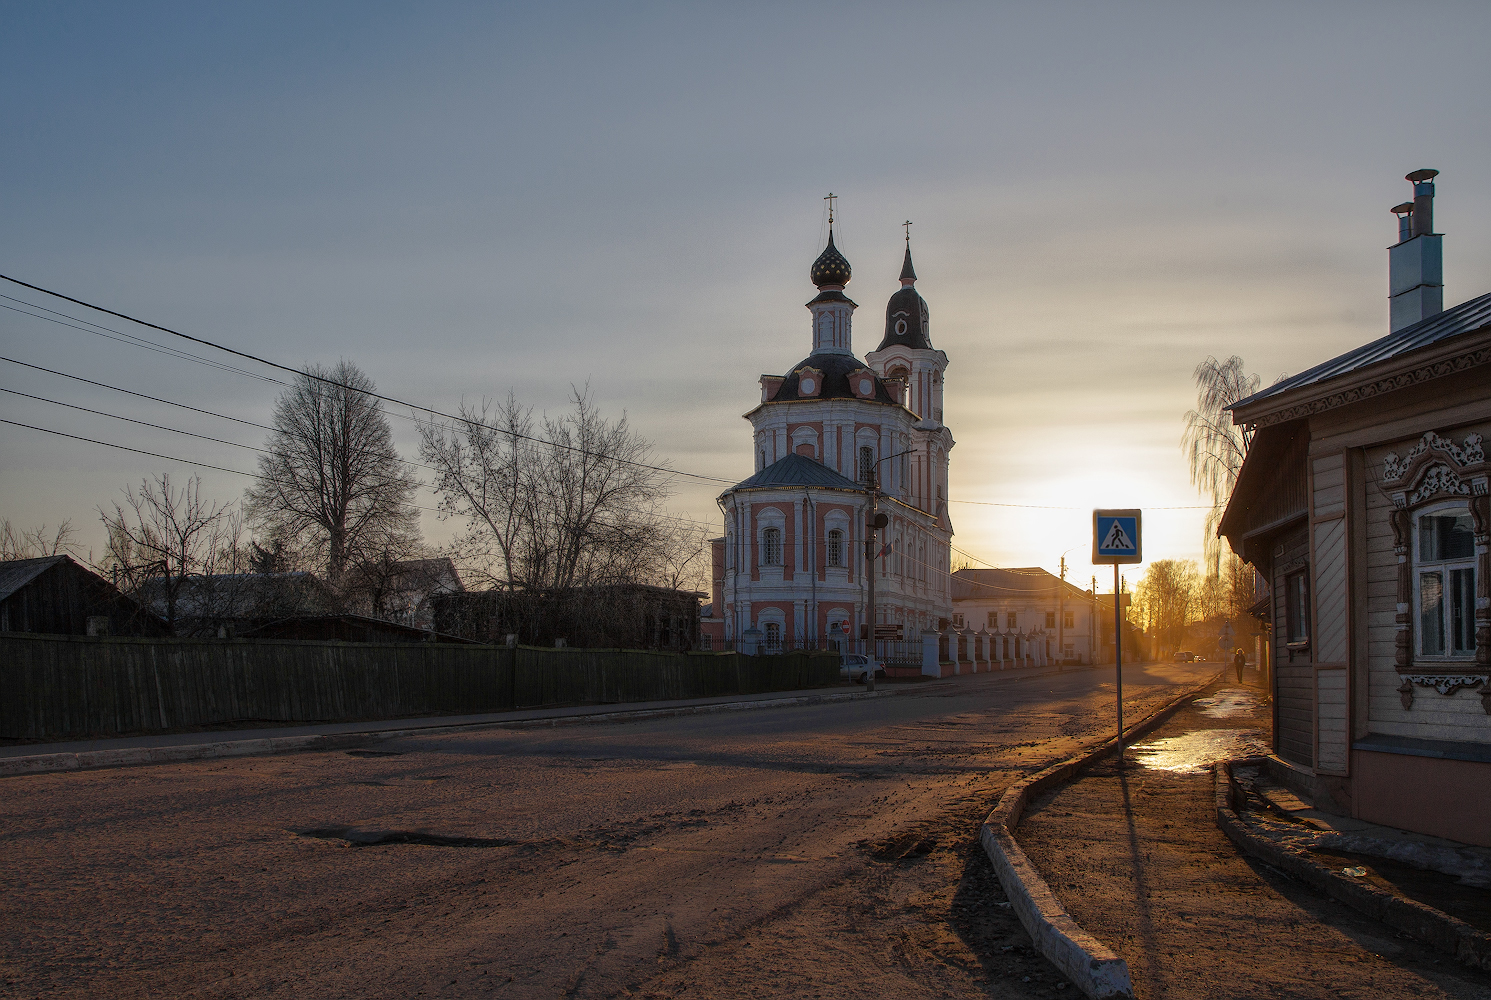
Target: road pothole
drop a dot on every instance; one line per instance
(357, 837)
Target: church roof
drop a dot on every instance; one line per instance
(836, 369)
(906, 321)
(797, 470)
(830, 268)
(908, 273)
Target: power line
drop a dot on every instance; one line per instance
(132, 420)
(327, 381)
(1041, 506)
(138, 395)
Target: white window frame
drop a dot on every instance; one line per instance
(1444, 567)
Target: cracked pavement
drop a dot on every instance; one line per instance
(819, 850)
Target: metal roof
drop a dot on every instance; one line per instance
(18, 572)
(797, 470)
(1470, 315)
(993, 584)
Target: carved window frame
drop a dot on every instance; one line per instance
(1438, 473)
(1423, 564)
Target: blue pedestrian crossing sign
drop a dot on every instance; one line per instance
(1116, 536)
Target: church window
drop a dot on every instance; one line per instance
(867, 465)
(771, 547)
(1445, 564)
(836, 548)
(773, 636)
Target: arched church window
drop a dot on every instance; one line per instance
(836, 548)
(773, 636)
(867, 465)
(771, 547)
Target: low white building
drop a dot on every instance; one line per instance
(1032, 603)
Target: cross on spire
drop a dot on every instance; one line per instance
(907, 226)
(830, 198)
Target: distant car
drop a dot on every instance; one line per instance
(1190, 656)
(854, 666)
(1179, 657)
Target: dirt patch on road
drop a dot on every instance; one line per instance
(1135, 856)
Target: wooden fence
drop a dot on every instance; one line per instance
(53, 687)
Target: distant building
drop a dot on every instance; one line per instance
(792, 562)
(1364, 501)
(1030, 602)
(56, 595)
(402, 591)
(616, 616)
(225, 605)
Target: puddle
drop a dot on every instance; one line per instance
(1195, 753)
(1227, 704)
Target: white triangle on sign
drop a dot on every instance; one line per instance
(1117, 539)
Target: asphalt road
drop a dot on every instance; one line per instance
(823, 850)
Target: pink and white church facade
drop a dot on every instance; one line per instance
(791, 567)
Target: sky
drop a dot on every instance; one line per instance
(467, 200)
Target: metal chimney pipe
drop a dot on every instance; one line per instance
(1423, 201)
(1404, 212)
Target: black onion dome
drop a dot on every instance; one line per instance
(830, 268)
(836, 369)
(906, 320)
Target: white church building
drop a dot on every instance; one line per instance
(791, 568)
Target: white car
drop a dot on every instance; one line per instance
(854, 666)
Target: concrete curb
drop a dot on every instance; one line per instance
(1418, 920)
(88, 760)
(1087, 962)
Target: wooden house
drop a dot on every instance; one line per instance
(1363, 501)
(56, 595)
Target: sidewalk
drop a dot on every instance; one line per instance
(33, 758)
(1134, 854)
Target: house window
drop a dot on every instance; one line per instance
(1445, 567)
(1050, 619)
(1009, 619)
(836, 547)
(1297, 607)
(993, 619)
(957, 621)
(771, 547)
(773, 636)
(1068, 619)
(867, 465)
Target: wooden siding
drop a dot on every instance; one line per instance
(1433, 716)
(1295, 733)
(1329, 485)
(1330, 591)
(1331, 737)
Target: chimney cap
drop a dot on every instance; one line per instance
(1403, 209)
(1422, 175)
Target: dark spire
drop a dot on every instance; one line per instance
(908, 273)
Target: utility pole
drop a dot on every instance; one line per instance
(874, 521)
(1061, 615)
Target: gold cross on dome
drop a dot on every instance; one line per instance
(907, 226)
(831, 198)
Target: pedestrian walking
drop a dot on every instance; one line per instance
(1239, 660)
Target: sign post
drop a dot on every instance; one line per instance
(1115, 541)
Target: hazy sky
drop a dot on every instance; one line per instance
(470, 199)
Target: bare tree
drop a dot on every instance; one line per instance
(680, 558)
(36, 543)
(1167, 599)
(577, 501)
(161, 536)
(1214, 445)
(332, 478)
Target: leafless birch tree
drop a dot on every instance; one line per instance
(332, 480)
(36, 543)
(1214, 445)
